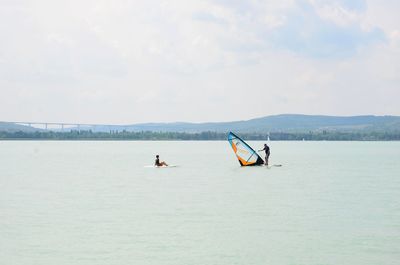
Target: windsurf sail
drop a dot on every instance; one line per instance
(245, 154)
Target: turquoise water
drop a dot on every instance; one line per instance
(95, 203)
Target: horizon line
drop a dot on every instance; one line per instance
(172, 122)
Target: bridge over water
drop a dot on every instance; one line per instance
(64, 126)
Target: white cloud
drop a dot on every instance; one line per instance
(334, 11)
(137, 61)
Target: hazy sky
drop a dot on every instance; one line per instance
(118, 61)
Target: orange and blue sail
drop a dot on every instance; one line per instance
(244, 153)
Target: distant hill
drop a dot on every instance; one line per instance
(276, 123)
(12, 127)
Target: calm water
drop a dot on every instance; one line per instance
(95, 203)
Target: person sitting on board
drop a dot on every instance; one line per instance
(267, 153)
(158, 163)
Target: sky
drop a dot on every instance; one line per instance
(124, 62)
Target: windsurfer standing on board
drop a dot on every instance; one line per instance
(157, 163)
(267, 153)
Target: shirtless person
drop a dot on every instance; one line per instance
(158, 163)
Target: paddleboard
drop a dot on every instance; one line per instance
(153, 166)
(275, 165)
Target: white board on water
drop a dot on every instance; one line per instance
(153, 166)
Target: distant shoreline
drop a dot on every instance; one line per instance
(131, 140)
(201, 136)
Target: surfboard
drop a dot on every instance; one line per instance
(169, 166)
(271, 166)
(275, 165)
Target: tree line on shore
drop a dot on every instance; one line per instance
(201, 136)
